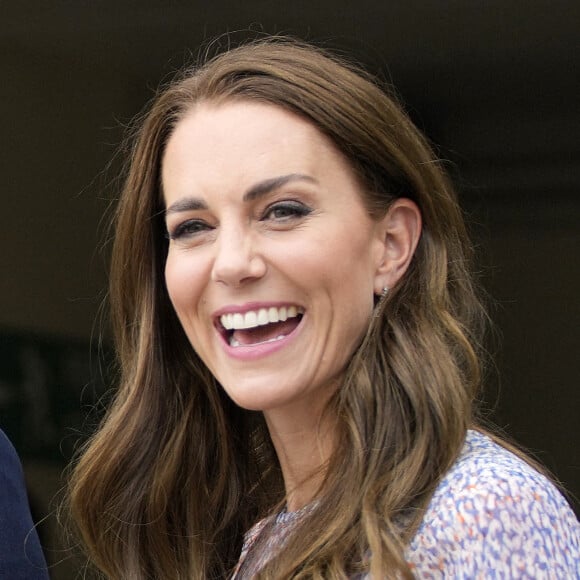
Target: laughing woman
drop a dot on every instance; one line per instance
(298, 336)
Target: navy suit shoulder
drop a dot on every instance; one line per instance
(21, 556)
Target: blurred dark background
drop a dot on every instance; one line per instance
(495, 84)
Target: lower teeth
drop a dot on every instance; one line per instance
(235, 343)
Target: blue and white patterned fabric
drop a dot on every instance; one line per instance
(492, 516)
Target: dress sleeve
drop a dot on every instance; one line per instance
(498, 522)
(21, 556)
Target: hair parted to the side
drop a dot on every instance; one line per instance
(177, 473)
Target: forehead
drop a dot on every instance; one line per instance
(241, 138)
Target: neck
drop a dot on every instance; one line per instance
(304, 443)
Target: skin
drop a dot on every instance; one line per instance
(262, 209)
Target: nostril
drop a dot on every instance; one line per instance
(236, 262)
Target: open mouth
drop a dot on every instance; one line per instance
(259, 326)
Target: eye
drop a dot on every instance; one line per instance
(286, 211)
(188, 229)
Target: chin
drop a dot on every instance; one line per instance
(257, 393)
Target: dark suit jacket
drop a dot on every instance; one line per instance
(21, 556)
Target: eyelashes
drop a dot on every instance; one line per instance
(281, 214)
(286, 210)
(188, 228)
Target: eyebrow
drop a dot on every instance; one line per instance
(255, 192)
(268, 185)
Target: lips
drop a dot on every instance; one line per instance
(258, 326)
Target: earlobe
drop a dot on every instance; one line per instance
(400, 230)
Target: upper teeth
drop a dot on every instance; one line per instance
(261, 317)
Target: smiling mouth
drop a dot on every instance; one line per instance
(260, 326)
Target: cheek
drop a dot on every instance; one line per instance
(353, 289)
(183, 285)
(172, 280)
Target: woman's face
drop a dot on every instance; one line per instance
(273, 258)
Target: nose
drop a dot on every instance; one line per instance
(237, 259)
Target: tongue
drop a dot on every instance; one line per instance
(266, 332)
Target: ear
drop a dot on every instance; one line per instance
(400, 230)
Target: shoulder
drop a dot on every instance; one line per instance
(494, 512)
(20, 553)
(11, 477)
(7, 452)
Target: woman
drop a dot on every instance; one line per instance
(298, 336)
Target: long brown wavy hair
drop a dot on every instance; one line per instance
(176, 472)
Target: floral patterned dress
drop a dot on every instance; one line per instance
(492, 516)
